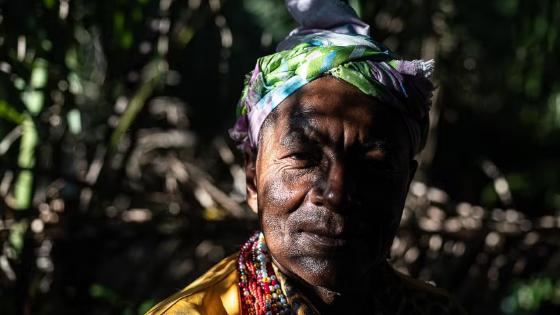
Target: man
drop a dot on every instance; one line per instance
(330, 126)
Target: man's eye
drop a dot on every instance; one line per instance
(304, 158)
(301, 156)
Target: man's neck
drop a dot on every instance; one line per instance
(355, 296)
(351, 300)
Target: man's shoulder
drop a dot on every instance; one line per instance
(215, 292)
(419, 297)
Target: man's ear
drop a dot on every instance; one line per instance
(251, 180)
(412, 170)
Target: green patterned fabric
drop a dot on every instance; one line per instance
(356, 59)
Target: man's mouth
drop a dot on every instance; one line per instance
(324, 238)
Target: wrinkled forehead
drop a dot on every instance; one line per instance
(330, 111)
(331, 99)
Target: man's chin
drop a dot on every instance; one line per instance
(332, 273)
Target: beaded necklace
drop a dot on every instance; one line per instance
(260, 290)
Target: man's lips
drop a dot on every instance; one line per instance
(326, 231)
(325, 238)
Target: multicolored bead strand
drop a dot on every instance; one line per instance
(261, 293)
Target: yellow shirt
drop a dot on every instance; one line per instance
(214, 293)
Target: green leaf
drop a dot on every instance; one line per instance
(17, 234)
(102, 292)
(26, 160)
(23, 190)
(71, 58)
(74, 118)
(49, 3)
(185, 35)
(153, 74)
(127, 39)
(9, 113)
(19, 83)
(118, 22)
(39, 74)
(29, 140)
(33, 100)
(46, 44)
(76, 86)
(137, 15)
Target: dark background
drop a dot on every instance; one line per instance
(119, 186)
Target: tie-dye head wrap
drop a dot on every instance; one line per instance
(309, 53)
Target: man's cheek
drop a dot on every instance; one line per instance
(284, 192)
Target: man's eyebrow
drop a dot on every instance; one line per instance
(301, 116)
(300, 124)
(297, 136)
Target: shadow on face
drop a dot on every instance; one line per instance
(329, 182)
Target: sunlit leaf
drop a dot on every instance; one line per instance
(29, 140)
(23, 190)
(39, 74)
(76, 86)
(74, 121)
(529, 295)
(26, 160)
(9, 113)
(19, 83)
(46, 44)
(33, 100)
(71, 58)
(185, 35)
(17, 234)
(153, 74)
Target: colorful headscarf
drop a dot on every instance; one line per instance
(345, 53)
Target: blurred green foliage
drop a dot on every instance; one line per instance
(526, 298)
(118, 184)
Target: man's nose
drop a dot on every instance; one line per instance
(333, 190)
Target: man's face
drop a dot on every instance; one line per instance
(330, 180)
